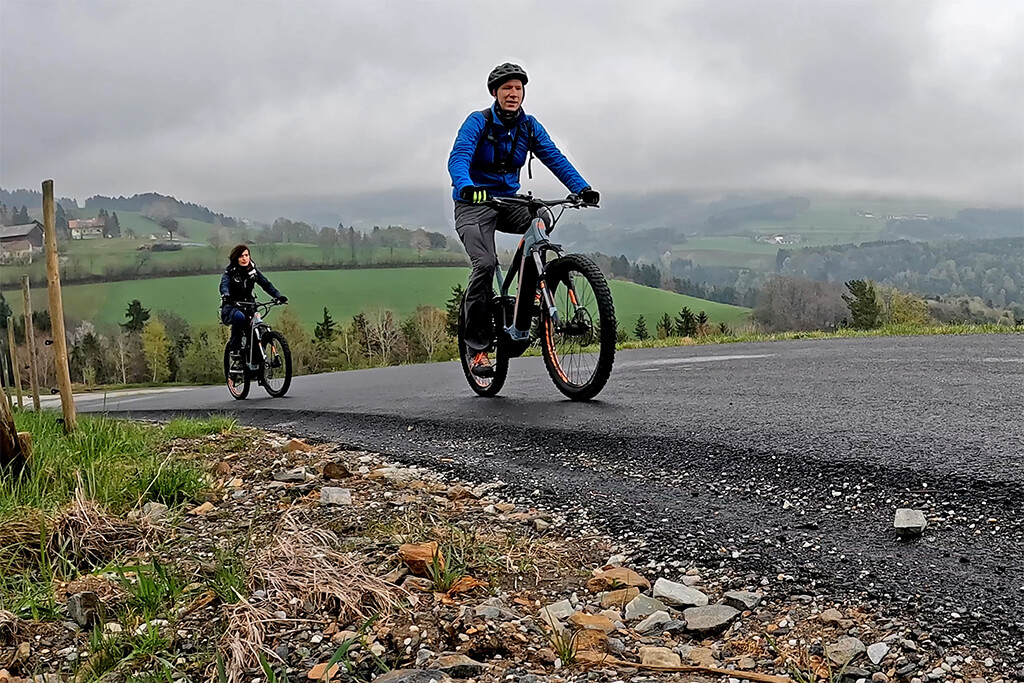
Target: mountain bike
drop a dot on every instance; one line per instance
(561, 300)
(265, 356)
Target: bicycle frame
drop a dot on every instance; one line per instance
(529, 264)
(257, 329)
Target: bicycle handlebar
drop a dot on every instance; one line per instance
(572, 201)
(257, 304)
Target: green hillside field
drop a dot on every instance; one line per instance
(345, 293)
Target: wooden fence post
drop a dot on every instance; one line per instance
(60, 342)
(30, 340)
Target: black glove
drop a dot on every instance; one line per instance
(282, 299)
(474, 195)
(590, 196)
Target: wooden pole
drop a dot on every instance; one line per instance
(16, 366)
(30, 340)
(60, 342)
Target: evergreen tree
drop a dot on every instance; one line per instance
(452, 308)
(63, 231)
(136, 315)
(325, 329)
(641, 329)
(665, 327)
(686, 323)
(703, 327)
(865, 311)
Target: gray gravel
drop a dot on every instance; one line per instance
(783, 461)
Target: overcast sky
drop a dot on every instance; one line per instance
(220, 101)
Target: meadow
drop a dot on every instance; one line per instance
(346, 293)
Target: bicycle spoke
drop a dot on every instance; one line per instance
(577, 333)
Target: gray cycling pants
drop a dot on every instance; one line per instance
(476, 225)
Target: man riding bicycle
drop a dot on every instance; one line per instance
(236, 286)
(489, 152)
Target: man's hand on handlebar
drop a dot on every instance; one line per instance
(590, 196)
(474, 195)
(281, 299)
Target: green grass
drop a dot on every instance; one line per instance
(907, 330)
(119, 463)
(122, 258)
(346, 293)
(191, 427)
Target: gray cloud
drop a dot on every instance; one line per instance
(220, 102)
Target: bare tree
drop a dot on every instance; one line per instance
(383, 334)
(121, 358)
(432, 328)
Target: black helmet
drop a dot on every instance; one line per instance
(505, 72)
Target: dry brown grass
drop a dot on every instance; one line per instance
(302, 562)
(9, 624)
(244, 638)
(82, 536)
(305, 562)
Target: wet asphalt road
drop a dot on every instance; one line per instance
(783, 458)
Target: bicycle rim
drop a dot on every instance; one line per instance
(275, 371)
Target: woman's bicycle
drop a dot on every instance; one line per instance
(265, 356)
(561, 300)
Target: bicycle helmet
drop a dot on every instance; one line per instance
(505, 72)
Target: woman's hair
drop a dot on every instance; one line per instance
(236, 253)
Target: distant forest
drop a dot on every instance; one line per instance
(990, 269)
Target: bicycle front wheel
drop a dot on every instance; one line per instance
(579, 349)
(277, 364)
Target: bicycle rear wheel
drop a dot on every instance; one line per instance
(277, 364)
(484, 386)
(238, 382)
(579, 350)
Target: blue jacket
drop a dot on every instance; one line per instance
(472, 161)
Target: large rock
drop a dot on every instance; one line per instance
(459, 666)
(702, 656)
(85, 608)
(616, 578)
(320, 672)
(642, 606)
(495, 610)
(844, 651)
(592, 622)
(831, 617)
(411, 676)
(655, 622)
(742, 600)
(678, 595)
(659, 656)
(298, 446)
(336, 470)
(333, 495)
(295, 476)
(419, 556)
(562, 609)
(877, 652)
(709, 619)
(909, 523)
(152, 511)
(619, 598)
